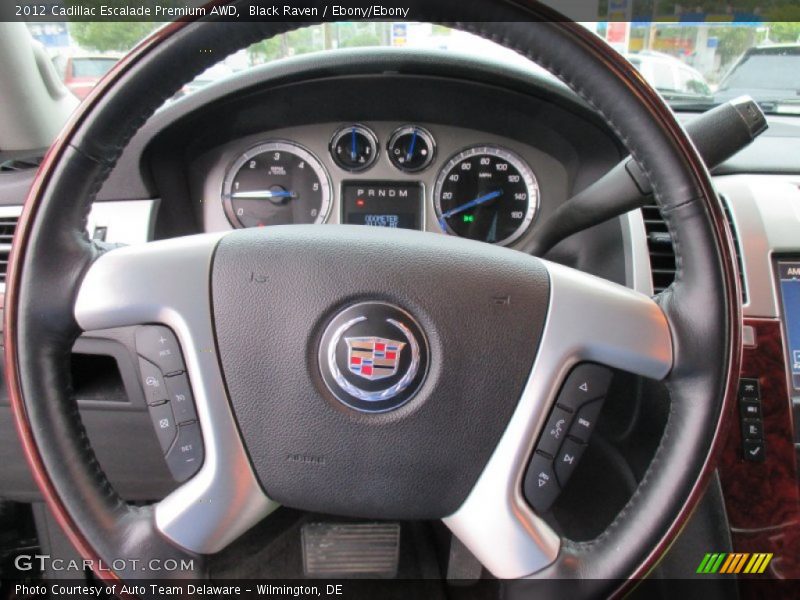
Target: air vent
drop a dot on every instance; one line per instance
(20, 164)
(659, 245)
(726, 206)
(662, 254)
(8, 225)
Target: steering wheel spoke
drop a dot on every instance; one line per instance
(589, 320)
(168, 283)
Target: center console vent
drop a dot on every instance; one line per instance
(662, 253)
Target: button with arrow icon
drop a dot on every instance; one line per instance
(567, 460)
(540, 485)
(585, 383)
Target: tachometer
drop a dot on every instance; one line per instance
(486, 193)
(276, 183)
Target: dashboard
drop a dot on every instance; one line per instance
(452, 146)
(428, 177)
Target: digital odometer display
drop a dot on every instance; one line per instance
(486, 193)
(394, 205)
(789, 280)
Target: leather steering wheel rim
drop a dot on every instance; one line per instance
(52, 253)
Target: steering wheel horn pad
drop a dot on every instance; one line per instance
(259, 402)
(420, 460)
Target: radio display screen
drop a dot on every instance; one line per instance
(391, 204)
(789, 280)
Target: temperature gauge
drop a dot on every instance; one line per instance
(411, 148)
(354, 148)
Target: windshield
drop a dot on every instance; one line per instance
(91, 67)
(694, 65)
(766, 72)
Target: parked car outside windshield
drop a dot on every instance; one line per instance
(771, 74)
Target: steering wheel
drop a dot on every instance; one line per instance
(262, 316)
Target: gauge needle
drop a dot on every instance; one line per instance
(268, 194)
(353, 143)
(410, 153)
(492, 235)
(472, 203)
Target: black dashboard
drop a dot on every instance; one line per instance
(325, 139)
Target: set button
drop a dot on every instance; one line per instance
(186, 454)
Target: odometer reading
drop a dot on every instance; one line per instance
(276, 183)
(486, 193)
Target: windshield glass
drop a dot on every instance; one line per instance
(694, 65)
(91, 67)
(766, 72)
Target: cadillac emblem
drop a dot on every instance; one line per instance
(373, 357)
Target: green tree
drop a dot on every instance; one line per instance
(733, 41)
(108, 35)
(361, 40)
(785, 31)
(299, 41)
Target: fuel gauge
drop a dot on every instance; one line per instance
(411, 148)
(354, 148)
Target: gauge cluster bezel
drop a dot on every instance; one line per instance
(427, 138)
(369, 136)
(551, 174)
(525, 170)
(267, 146)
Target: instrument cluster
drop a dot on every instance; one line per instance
(385, 175)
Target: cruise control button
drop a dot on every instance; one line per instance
(186, 454)
(585, 420)
(180, 396)
(155, 391)
(164, 422)
(585, 383)
(540, 485)
(554, 431)
(567, 460)
(159, 345)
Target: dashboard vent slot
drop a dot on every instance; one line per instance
(7, 227)
(736, 245)
(659, 246)
(662, 253)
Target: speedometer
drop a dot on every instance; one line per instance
(276, 183)
(486, 193)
